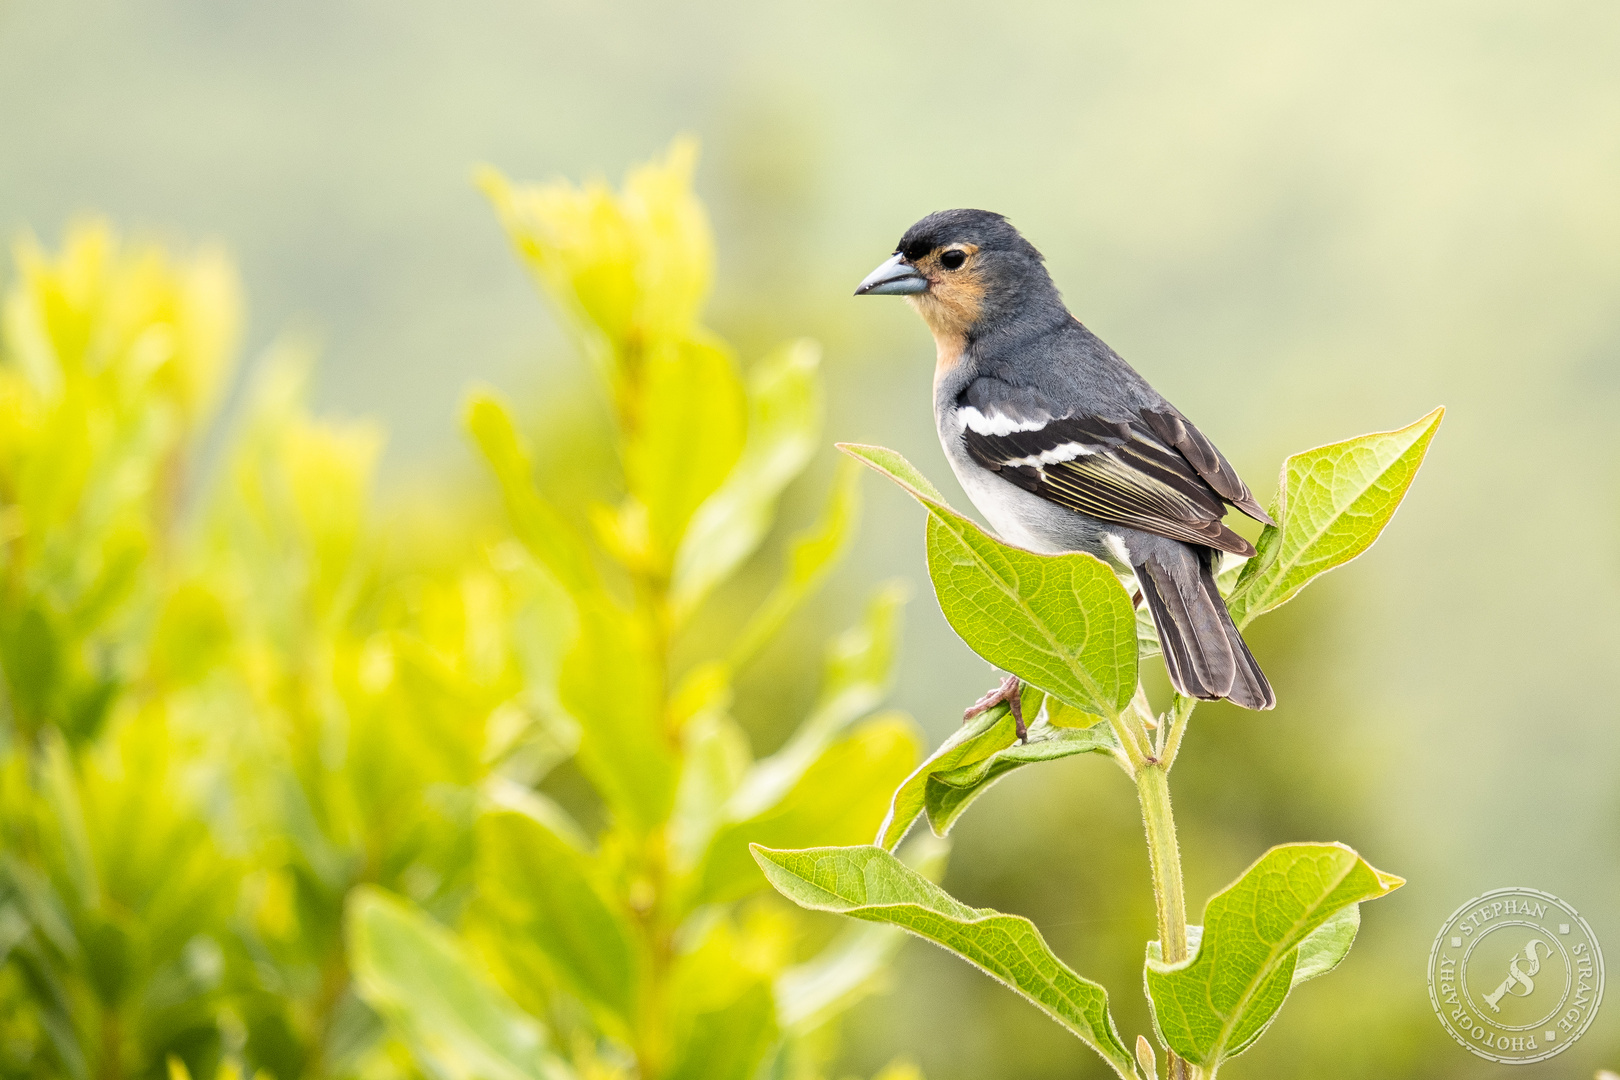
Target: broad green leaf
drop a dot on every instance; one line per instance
(1213, 1005)
(543, 531)
(1332, 502)
(980, 738)
(811, 556)
(686, 433)
(43, 909)
(871, 884)
(1322, 950)
(723, 1015)
(1147, 635)
(582, 252)
(543, 628)
(541, 888)
(729, 1043)
(840, 798)
(675, 246)
(860, 665)
(626, 267)
(855, 963)
(503, 795)
(823, 987)
(59, 785)
(611, 683)
(420, 978)
(715, 758)
(784, 420)
(860, 661)
(13, 929)
(1062, 622)
(949, 792)
(1327, 945)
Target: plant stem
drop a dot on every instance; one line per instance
(1175, 726)
(1164, 859)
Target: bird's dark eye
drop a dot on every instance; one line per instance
(953, 259)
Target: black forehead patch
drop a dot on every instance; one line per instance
(915, 247)
(985, 230)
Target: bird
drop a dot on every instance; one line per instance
(1063, 447)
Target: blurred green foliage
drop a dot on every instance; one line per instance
(285, 779)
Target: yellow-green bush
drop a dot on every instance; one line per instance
(276, 776)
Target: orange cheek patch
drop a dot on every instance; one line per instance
(952, 303)
(950, 307)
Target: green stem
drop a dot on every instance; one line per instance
(1174, 727)
(1164, 859)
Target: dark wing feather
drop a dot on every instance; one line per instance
(1201, 454)
(1156, 473)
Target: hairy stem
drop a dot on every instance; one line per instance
(1164, 859)
(1173, 728)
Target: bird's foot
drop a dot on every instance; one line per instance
(1010, 691)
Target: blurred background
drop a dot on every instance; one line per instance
(1301, 222)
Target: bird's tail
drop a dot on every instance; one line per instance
(1203, 651)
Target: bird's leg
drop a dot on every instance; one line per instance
(1011, 691)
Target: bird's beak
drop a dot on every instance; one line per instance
(894, 278)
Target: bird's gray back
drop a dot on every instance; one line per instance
(1052, 367)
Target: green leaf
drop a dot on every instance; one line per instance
(687, 432)
(723, 1015)
(1332, 502)
(543, 531)
(1322, 950)
(811, 556)
(825, 986)
(540, 888)
(625, 268)
(60, 788)
(419, 977)
(840, 798)
(1327, 945)
(1213, 1005)
(978, 739)
(871, 884)
(1062, 622)
(950, 791)
(855, 963)
(729, 1043)
(860, 665)
(714, 760)
(612, 685)
(784, 421)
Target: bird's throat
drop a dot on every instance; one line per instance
(948, 354)
(949, 328)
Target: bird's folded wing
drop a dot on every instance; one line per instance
(1201, 454)
(1154, 472)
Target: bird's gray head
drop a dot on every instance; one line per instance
(964, 271)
